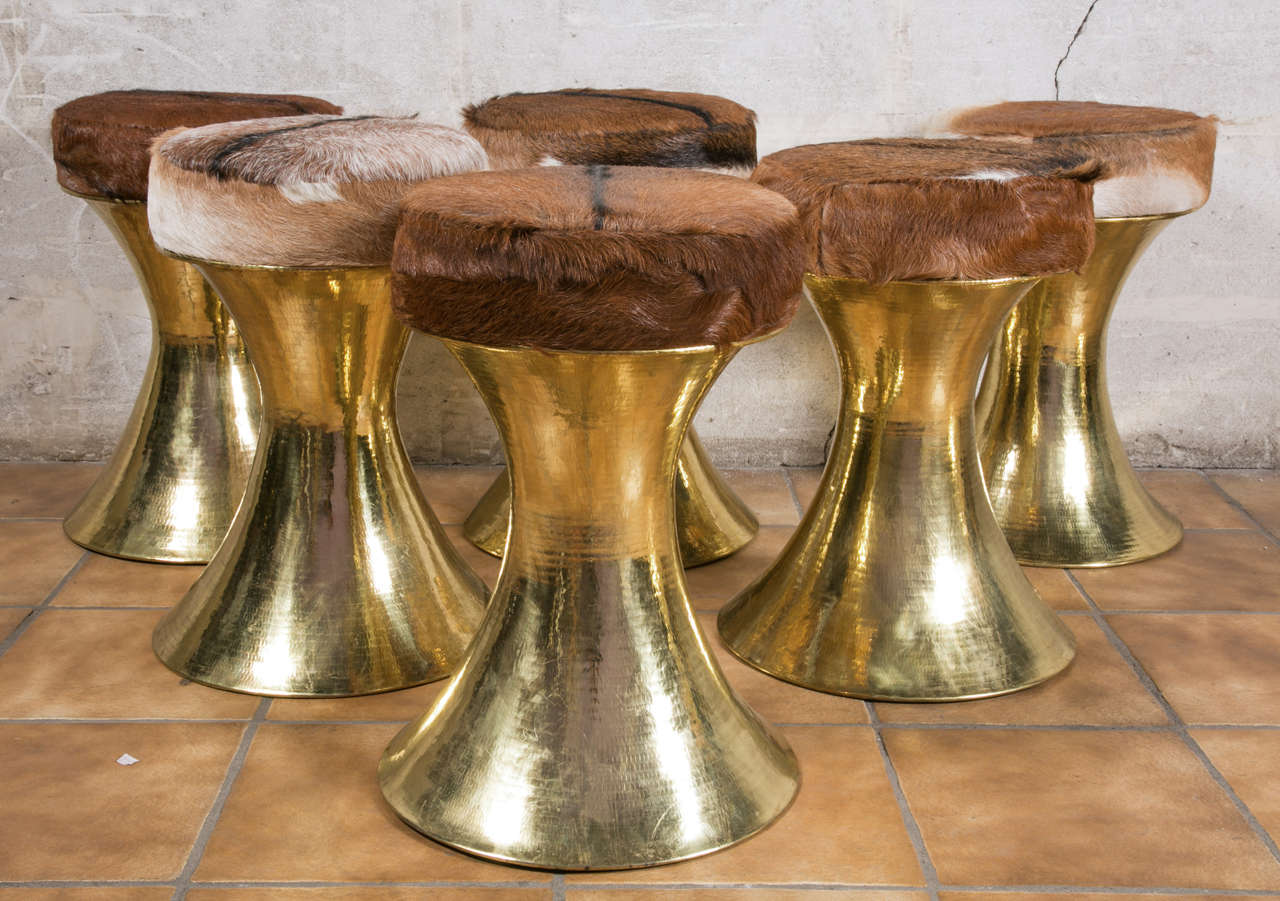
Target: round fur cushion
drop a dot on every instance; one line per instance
(893, 209)
(632, 127)
(1154, 160)
(306, 191)
(597, 258)
(102, 143)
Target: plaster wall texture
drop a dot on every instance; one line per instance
(1193, 349)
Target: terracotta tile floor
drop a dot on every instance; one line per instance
(1149, 769)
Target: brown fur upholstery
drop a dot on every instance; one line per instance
(302, 191)
(596, 258)
(1155, 160)
(102, 142)
(632, 127)
(893, 209)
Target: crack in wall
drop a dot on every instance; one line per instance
(1057, 89)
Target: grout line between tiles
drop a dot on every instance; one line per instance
(183, 883)
(31, 617)
(1239, 507)
(557, 887)
(925, 862)
(657, 888)
(4, 519)
(795, 495)
(1180, 727)
(314, 883)
(1111, 611)
(1110, 890)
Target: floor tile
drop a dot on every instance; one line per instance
(34, 556)
(1213, 668)
(777, 701)
(44, 489)
(485, 565)
(805, 481)
(89, 893)
(111, 582)
(389, 706)
(713, 584)
(1022, 807)
(69, 811)
(307, 806)
(1055, 588)
(1098, 688)
(844, 827)
(766, 492)
(1257, 490)
(9, 619)
(1208, 571)
(453, 491)
(701, 893)
(99, 663)
(370, 893)
(1250, 761)
(1192, 499)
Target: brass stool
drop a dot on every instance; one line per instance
(589, 727)
(1057, 473)
(897, 584)
(626, 128)
(335, 578)
(179, 469)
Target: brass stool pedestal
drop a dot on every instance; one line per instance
(173, 484)
(335, 578)
(898, 584)
(1060, 482)
(711, 521)
(590, 727)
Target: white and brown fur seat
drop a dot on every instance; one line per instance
(627, 127)
(305, 191)
(903, 209)
(596, 258)
(1154, 161)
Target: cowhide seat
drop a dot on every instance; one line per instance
(626, 128)
(898, 584)
(335, 578)
(1057, 472)
(179, 469)
(592, 307)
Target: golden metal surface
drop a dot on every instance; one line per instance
(1059, 480)
(179, 470)
(898, 584)
(335, 578)
(590, 727)
(712, 522)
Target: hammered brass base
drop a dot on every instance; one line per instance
(590, 727)
(1056, 470)
(336, 578)
(898, 584)
(712, 522)
(173, 484)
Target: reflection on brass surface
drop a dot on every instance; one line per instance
(1057, 473)
(335, 578)
(179, 470)
(590, 727)
(898, 584)
(711, 520)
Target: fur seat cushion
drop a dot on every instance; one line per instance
(102, 143)
(1154, 160)
(302, 191)
(631, 127)
(597, 258)
(882, 210)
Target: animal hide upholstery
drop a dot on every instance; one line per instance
(102, 142)
(596, 258)
(307, 191)
(901, 209)
(1154, 160)
(631, 127)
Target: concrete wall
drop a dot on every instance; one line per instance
(1194, 363)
